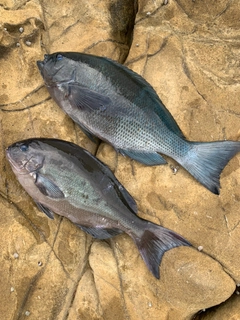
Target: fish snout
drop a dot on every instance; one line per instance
(40, 64)
(8, 154)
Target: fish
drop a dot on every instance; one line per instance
(113, 103)
(63, 178)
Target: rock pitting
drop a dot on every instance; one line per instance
(189, 52)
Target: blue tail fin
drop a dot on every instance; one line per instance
(206, 160)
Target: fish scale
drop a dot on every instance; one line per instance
(111, 102)
(65, 179)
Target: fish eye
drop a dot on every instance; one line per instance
(59, 57)
(23, 147)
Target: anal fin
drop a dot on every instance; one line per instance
(100, 233)
(147, 158)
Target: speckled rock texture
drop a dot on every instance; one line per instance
(189, 52)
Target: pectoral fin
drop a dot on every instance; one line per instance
(148, 158)
(100, 233)
(86, 99)
(48, 187)
(45, 210)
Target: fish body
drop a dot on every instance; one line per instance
(65, 179)
(111, 102)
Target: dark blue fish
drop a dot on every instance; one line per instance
(63, 178)
(113, 103)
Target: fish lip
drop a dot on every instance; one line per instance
(40, 65)
(46, 57)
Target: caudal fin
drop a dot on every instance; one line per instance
(206, 160)
(154, 242)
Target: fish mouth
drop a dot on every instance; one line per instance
(40, 64)
(47, 77)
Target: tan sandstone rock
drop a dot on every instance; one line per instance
(228, 310)
(189, 52)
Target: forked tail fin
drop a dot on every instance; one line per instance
(206, 160)
(154, 242)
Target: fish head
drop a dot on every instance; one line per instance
(56, 68)
(26, 156)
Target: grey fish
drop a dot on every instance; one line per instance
(113, 103)
(64, 178)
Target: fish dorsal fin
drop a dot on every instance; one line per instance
(147, 90)
(159, 108)
(128, 199)
(168, 119)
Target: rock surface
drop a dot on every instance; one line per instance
(189, 52)
(228, 310)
